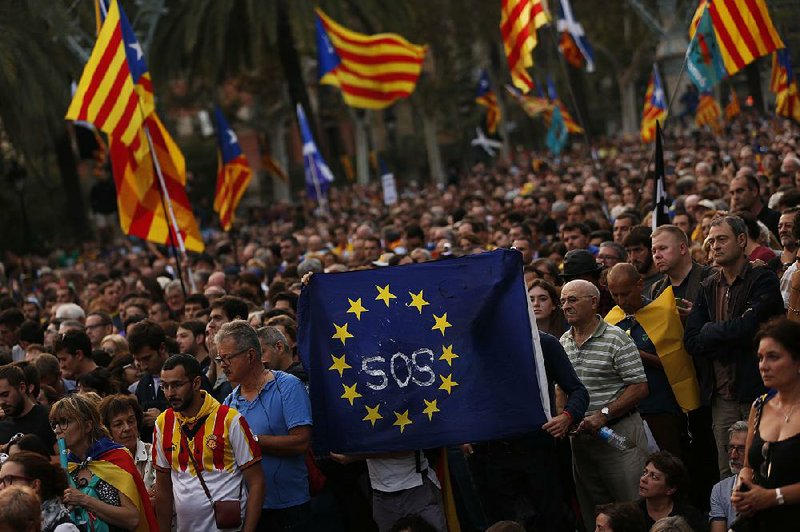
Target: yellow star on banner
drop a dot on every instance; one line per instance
(356, 308)
(384, 294)
(372, 414)
(342, 333)
(417, 302)
(448, 355)
(350, 393)
(441, 323)
(339, 365)
(430, 408)
(447, 383)
(402, 420)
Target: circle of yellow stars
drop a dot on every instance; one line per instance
(339, 363)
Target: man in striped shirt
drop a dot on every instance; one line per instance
(608, 364)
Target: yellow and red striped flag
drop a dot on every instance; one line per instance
(708, 112)
(519, 20)
(743, 31)
(233, 174)
(733, 109)
(114, 92)
(572, 125)
(486, 97)
(372, 71)
(655, 107)
(784, 85)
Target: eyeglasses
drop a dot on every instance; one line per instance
(738, 448)
(572, 299)
(166, 386)
(226, 360)
(59, 425)
(9, 480)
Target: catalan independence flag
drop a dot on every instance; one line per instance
(133, 157)
(730, 34)
(233, 172)
(406, 357)
(655, 107)
(573, 43)
(372, 71)
(708, 112)
(519, 21)
(784, 85)
(532, 105)
(733, 109)
(486, 97)
(114, 92)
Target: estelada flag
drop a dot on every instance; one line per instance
(233, 172)
(662, 323)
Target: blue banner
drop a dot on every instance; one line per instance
(422, 355)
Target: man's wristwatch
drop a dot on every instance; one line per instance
(779, 497)
(606, 412)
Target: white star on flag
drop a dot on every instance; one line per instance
(136, 47)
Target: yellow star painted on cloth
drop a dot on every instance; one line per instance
(384, 294)
(417, 301)
(447, 383)
(448, 355)
(342, 333)
(441, 323)
(339, 365)
(430, 408)
(356, 308)
(350, 393)
(402, 420)
(372, 414)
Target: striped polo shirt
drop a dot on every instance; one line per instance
(606, 363)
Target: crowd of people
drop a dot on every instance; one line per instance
(138, 393)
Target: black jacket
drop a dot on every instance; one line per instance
(754, 299)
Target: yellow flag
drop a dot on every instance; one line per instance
(661, 322)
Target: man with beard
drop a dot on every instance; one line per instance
(722, 513)
(219, 438)
(732, 304)
(788, 254)
(21, 414)
(638, 244)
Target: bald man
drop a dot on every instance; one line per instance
(608, 363)
(659, 409)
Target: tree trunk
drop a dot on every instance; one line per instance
(362, 147)
(627, 98)
(67, 166)
(292, 69)
(435, 165)
(281, 190)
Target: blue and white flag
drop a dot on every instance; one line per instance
(318, 175)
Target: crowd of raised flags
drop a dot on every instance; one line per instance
(115, 94)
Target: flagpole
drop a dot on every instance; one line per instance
(323, 203)
(166, 203)
(564, 70)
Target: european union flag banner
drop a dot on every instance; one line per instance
(422, 355)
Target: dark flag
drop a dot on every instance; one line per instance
(660, 206)
(422, 355)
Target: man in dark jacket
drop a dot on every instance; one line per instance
(148, 346)
(732, 304)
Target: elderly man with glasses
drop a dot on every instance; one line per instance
(608, 364)
(278, 410)
(722, 513)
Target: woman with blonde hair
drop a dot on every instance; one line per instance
(106, 484)
(115, 345)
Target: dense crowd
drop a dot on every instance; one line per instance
(182, 403)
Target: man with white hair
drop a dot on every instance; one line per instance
(70, 311)
(607, 362)
(791, 167)
(722, 513)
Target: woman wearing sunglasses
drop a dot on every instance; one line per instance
(768, 492)
(48, 481)
(105, 483)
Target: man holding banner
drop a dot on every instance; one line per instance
(656, 330)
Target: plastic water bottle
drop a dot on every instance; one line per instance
(618, 441)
